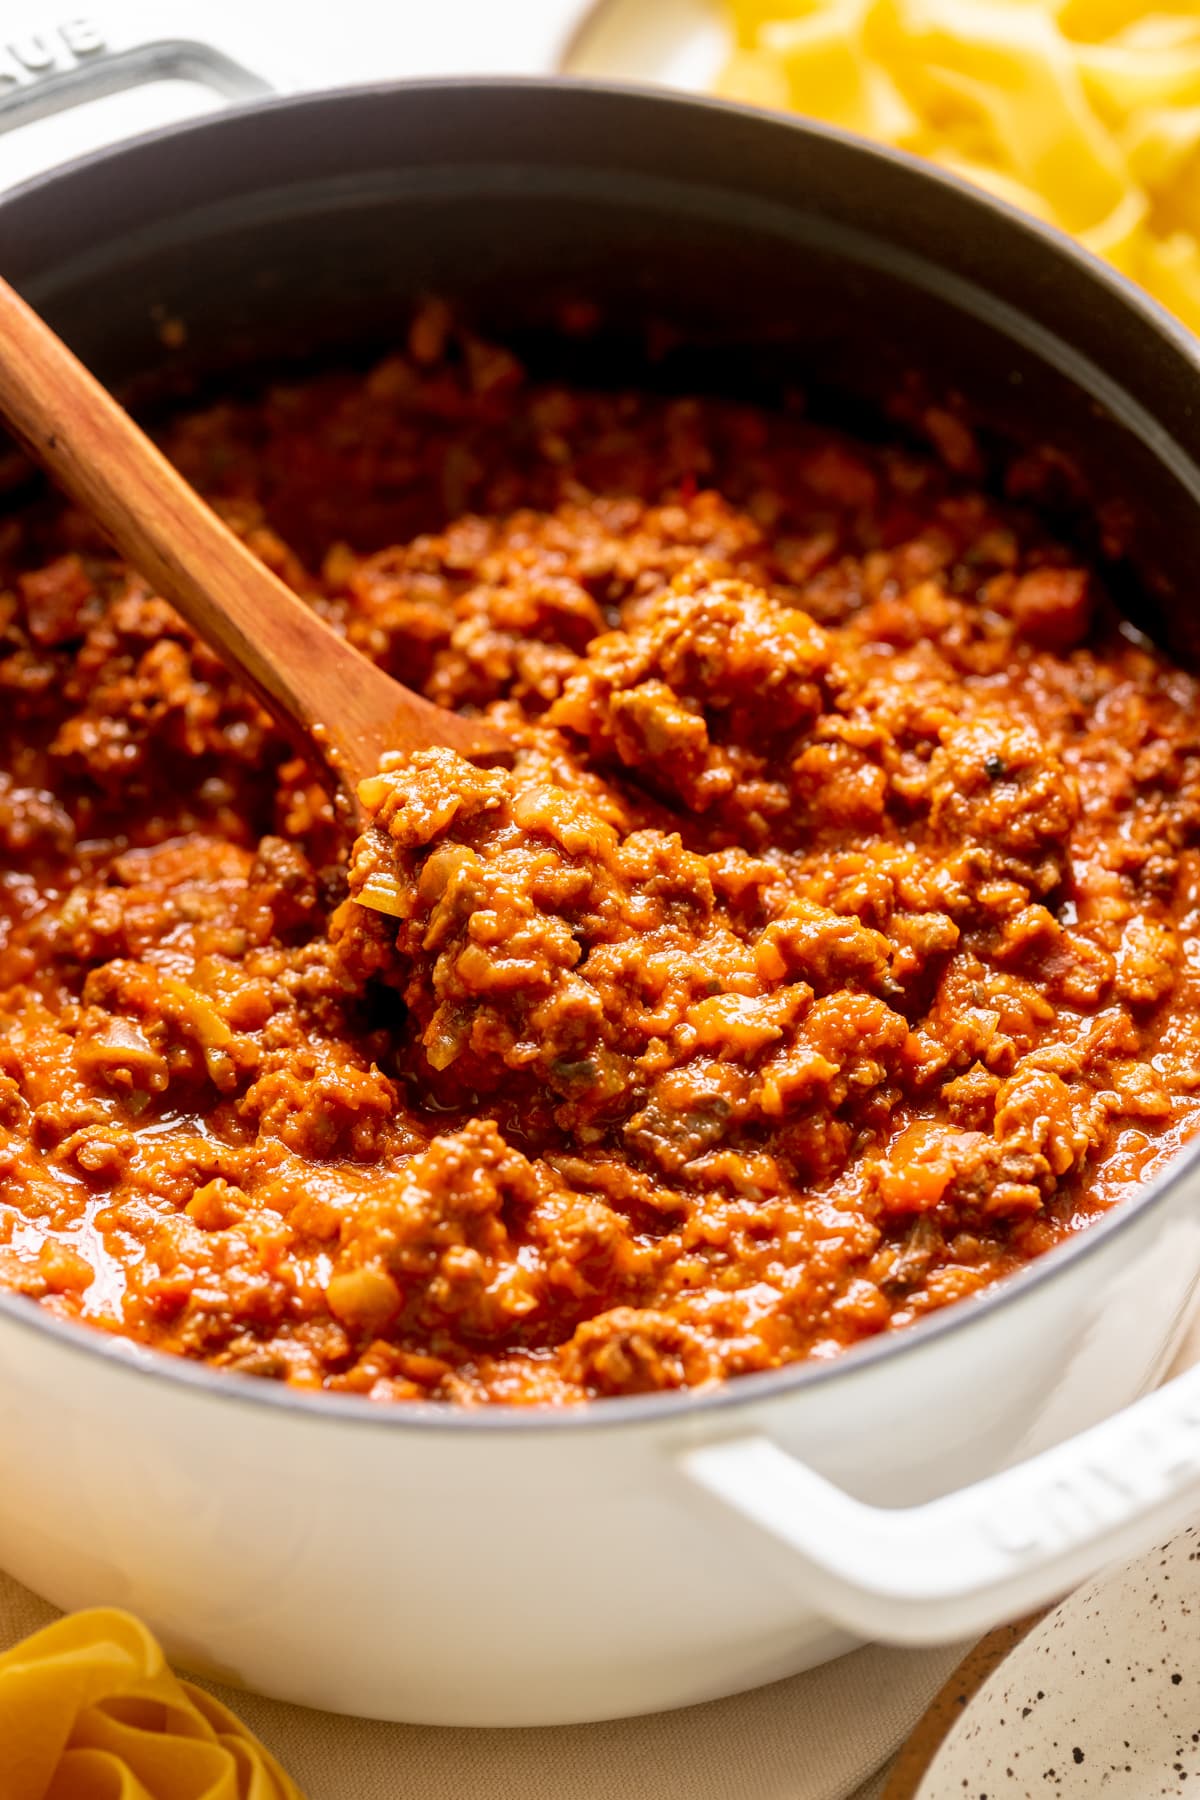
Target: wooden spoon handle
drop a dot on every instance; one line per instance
(316, 684)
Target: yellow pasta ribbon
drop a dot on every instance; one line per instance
(1084, 112)
(89, 1710)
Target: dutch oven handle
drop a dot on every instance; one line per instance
(955, 1567)
(48, 68)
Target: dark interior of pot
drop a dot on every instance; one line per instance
(724, 250)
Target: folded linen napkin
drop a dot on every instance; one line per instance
(817, 1736)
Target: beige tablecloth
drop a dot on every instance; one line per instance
(826, 1735)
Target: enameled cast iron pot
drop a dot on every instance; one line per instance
(527, 1568)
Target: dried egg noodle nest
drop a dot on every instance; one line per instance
(1084, 112)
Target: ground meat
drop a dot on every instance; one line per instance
(827, 953)
(706, 697)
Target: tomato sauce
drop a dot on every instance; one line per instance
(829, 952)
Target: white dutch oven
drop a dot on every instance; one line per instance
(527, 1568)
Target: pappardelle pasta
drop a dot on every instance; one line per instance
(1085, 112)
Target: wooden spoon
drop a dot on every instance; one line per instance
(336, 707)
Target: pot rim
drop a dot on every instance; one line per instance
(676, 1406)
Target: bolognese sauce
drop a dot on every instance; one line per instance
(828, 952)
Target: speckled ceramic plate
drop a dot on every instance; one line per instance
(1099, 1697)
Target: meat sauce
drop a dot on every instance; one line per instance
(828, 953)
